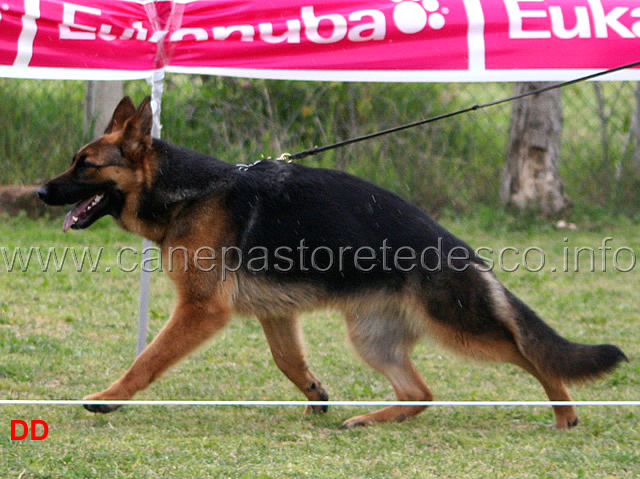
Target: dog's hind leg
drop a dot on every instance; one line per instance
(556, 391)
(285, 340)
(504, 350)
(385, 343)
(190, 325)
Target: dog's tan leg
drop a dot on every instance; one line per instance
(556, 391)
(285, 340)
(385, 345)
(190, 325)
(502, 350)
(408, 386)
(566, 416)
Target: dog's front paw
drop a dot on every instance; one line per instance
(319, 394)
(101, 408)
(564, 423)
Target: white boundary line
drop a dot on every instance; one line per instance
(404, 76)
(371, 76)
(65, 402)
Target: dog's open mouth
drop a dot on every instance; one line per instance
(86, 212)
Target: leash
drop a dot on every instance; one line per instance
(320, 149)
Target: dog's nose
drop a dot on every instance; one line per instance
(43, 191)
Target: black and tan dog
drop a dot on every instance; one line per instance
(275, 239)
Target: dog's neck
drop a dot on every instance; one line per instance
(180, 176)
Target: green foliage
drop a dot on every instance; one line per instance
(447, 166)
(598, 146)
(243, 121)
(41, 125)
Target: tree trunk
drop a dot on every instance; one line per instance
(100, 99)
(530, 180)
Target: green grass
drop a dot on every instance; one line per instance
(64, 335)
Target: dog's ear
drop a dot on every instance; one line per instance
(125, 110)
(137, 129)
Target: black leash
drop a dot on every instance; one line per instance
(319, 149)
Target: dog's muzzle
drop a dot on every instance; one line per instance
(43, 193)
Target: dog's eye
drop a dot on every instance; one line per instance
(84, 163)
(78, 159)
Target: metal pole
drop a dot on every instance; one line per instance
(157, 87)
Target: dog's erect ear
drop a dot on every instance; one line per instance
(137, 129)
(125, 110)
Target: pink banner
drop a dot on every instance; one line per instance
(562, 34)
(369, 40)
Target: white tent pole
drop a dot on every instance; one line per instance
(143, 306)
(157, 87)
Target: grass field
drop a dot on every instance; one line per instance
(67, 334)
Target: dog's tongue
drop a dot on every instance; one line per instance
(74, 215)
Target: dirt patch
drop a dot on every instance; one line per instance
(17, 198)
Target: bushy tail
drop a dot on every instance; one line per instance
(554, 355)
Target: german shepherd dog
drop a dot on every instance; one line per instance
(295, 239)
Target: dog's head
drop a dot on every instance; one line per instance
(106, 170)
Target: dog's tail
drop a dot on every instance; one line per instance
(554, 355)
